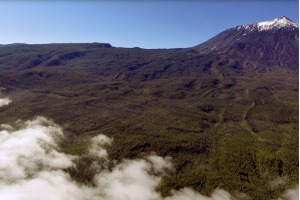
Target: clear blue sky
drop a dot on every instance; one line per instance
(146, 24)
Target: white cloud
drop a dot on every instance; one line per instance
(26, 150)
(129, 180)
(97, 146)
(291, 194)
(189, 194)
(4, 101)
(161, 164)
(32, 167)
(278, 181)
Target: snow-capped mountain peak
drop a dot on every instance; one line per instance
(275, 24)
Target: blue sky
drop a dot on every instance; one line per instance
(146, 24)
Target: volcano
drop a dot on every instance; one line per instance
(272, 42)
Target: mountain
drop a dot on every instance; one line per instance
(226, 110)
(13, 44)
(272, 42)
(281, 23)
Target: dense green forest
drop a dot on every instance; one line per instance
(225, 121)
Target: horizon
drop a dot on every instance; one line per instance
(148, 25)
(19, 43)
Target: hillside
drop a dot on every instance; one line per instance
(225, 110)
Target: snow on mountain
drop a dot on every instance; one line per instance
(274, 43)
(275, 24)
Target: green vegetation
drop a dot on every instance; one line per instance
(224, 124)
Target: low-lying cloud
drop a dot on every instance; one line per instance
(291, 194)
(32, 167)
(278, 181)
(4, 101)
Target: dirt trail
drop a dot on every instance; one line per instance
(245, 124)
(237, 98)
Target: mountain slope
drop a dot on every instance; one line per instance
(227, 115)
(272, 43)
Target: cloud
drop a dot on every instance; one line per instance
(24, 151)
(33, 167)
(30, 163)
(291, 194)
(278, 181)
(130, 180)
(97, 145)
(4, 101)
(189, 194)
